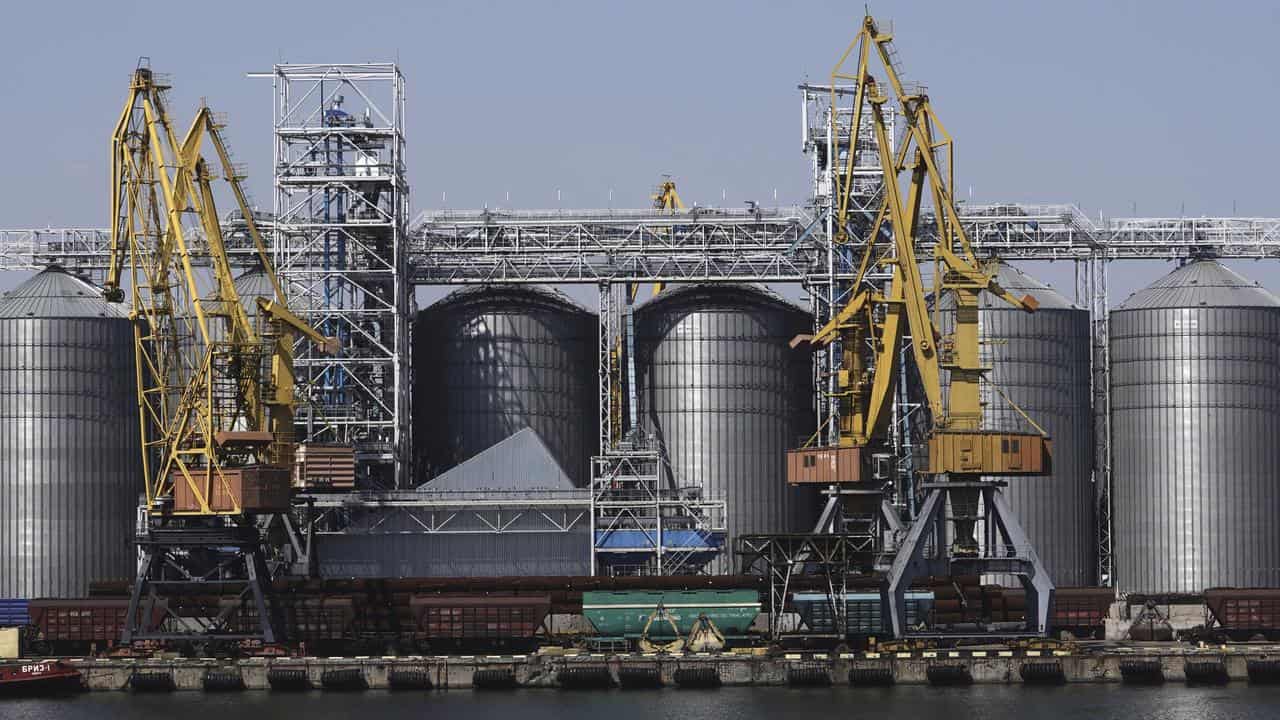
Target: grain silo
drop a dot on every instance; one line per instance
(725, 397)
(253, 284)
(1195, 398)
(250, 285)
(69, 438)
(1040, 363)
(489, 361)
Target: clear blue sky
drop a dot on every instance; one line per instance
(1166, 105)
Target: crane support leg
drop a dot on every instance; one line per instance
(1007, 551)
(1038, 585)
(911, 561)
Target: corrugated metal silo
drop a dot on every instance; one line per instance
(726, 396)
(490, 361)
(1041, 361)
(69, 444)
(251, 285)
(1195, 397)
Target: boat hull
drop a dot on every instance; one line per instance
(38, 678)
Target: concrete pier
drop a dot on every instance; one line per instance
(545, 670)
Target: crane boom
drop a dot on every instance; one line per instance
(215, 389)
(871, 327)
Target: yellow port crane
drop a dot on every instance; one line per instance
(869, 333)
(215, 388)
(666, 199)
(665, 196)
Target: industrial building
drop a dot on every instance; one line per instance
(506, 430)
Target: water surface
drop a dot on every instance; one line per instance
(994, 702)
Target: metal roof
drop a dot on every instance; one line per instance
(519, 462)
(1019, 283)
(501, 293)
(1201, 283)
(746, 292)
(56, 293)
(253, 284)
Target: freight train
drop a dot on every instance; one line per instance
(440, 615)
(425, 615)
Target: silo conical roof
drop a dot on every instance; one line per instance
(745, 292)
(253, 284)
(1201, 283)
(499, 293)
(56, 293)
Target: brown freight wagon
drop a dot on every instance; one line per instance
(321, 625)
(317, 621)
(1245, 613)
(461, 621)
(1081, 611)
(85, 626)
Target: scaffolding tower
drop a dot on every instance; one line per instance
(642, 526)
(642, 521)
(827, 138)
(340, 245)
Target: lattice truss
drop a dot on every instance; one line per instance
(618, 245)
(783, 245)
(834, 146)
(783, 558)
(667, 529)
(448, 513)
(341, 207)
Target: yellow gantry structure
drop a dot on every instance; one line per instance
(872, 326)
(215, 388)
(664, 198)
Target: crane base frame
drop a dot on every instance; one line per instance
(926, 552)
(173, 600)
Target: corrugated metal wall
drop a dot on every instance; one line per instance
(481, 555)
(1195, 392)
(727, 397)
(1041, 362)
(69, 439)
(491, 361)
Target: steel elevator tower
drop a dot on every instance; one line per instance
(340, 246)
